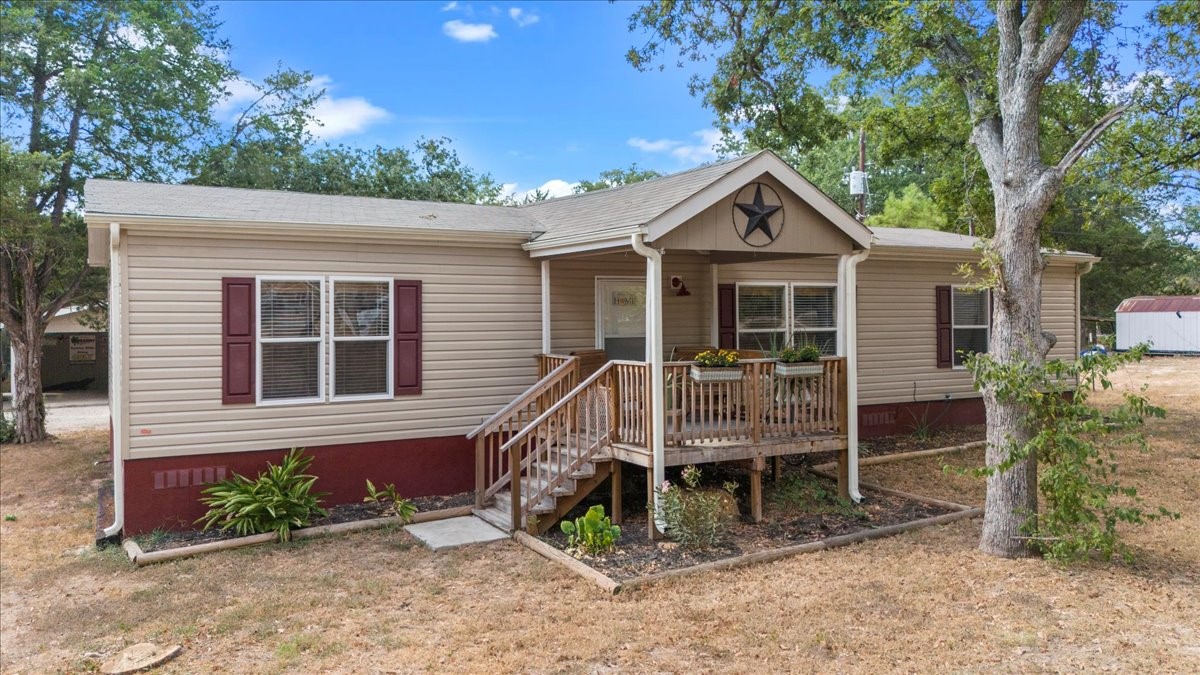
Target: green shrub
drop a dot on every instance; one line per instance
(1075, 445)
(389, 502)
(592, 534)
(281, 498)
(695, 518)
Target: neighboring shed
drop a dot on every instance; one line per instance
(74, 355)
(1170, 323)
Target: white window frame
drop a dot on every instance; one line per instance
(389, 394)
(599, 300)
(789, 328)
(258, 341)
(954, 326)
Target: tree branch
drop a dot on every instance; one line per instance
(1088, 138)
(1047, 53)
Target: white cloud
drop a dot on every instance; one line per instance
(522, 17)
(469, 32)
(449, 6)
(555, 187)
(132, 36)
(333, 116)
(704, 149)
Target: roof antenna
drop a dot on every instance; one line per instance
(858, 179)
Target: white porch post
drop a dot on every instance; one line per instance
(654, 357)
(714, 330)
(847, 344)
(545, 306)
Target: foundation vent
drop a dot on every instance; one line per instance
(181, 478)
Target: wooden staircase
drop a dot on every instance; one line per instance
(559, 440)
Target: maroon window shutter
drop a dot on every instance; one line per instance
(945, 328)
(407, 301)
(237, 340)
(727, 316)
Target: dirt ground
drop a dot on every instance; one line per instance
(377, 602)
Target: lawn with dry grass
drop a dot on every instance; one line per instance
(377, 601)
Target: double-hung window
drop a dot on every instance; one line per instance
(971, 310)
(291, 339)
(361, 319)
(774, 316)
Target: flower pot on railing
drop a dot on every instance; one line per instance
(719, 366)
(720, 374)
(802, 369)
(799, 362)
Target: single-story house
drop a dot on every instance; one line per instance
(1170, 324)
(434, 345)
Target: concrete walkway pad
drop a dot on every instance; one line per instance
(441, 535)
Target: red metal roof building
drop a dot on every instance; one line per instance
(1169, 323)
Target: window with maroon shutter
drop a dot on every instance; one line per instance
(963, 323)
(407, 324)
(237, 340)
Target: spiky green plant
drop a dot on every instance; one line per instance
(280, 499)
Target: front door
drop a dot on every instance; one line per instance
(621, 318)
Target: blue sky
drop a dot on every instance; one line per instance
(529, 92)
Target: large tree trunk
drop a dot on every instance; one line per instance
(1017, 338)
(28, 406)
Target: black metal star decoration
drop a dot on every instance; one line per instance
(758, 215)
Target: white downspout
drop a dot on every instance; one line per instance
(545, 306)
(116, 366)
(655, 359)
(848, 281)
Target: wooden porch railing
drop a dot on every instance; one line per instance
(558, 375)
(761, 405)
(559, 442)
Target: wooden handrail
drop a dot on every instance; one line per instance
(530, 395)
(557, 406)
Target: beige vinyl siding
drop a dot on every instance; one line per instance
(687, 319)
(481, 330)
(897, 342)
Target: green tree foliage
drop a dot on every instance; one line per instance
(117, 89)
(430, 171)
(911, 208)
(616, 178)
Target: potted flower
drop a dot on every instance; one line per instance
(799, 362)
(718, 366)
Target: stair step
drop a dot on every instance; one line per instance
(495, 516)
(504, 502)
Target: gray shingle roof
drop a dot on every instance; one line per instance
(626, 205)
(911, 237)
(122, 198)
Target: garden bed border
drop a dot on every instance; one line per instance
(613, 587)
(142, 558)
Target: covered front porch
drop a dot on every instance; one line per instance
(625, 310)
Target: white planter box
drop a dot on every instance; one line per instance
(806, 369)
(733, 374)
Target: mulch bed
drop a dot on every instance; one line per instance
(784, 524)
(161, 540)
